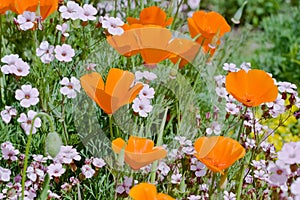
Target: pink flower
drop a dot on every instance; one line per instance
(66, 155)
(9, 152)
(125, 186)
(70, 87)
(295, 188)
(198, 167)
(71, 11)
(290, 153)
(64, 53)
(87, 171)
(112, 25)
(56, 170)
(26, 122)
(63, 29)
(176, 178)
(142, 106)
(27, 96)
(15, 65)
(279, 173)
(8, 113)
(147, 92)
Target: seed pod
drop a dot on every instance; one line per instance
(53, 143)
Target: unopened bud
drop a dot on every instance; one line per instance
(237, 16)
(53, 144)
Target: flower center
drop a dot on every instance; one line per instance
(279, 171)
(27, 96)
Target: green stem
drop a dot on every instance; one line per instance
(159, 143)
(110, 127)
(241, 127)
(239, 190)
(115, 11)
(175, 16)
(211, 189)
(52, 129)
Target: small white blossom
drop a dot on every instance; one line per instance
(221, 92)
(215, 128)
(142, 106)
(45, 52)
(64, 53)
(4, 174)
(193, 4)
(295, 187)
(87, 171)
(231, 67)
(26, 20)
(70, 87)
(246, 66)
(27, 96)
(88, 13)
(232, 108)
(56, 170)
(98, 162)
(8, 113)
(26, 122)
(147, 92)
(71, 11)
(289, 153)
(112, 25)
(63, 29)
(229, 196)
(176, 178)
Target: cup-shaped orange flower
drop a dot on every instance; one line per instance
(147, 191)
(251, 88)
(139, 152)
(207, 25)
(115, 93)
(151, 16)
(47, 7)
(218, 152)
(6, 5)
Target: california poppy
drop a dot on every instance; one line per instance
(218, 152)
(147, 191)
(151, 16)
(139, 152)
(47, 7)
(251, 88)
(115, 93)
(149, 41)
(209, 27)
(6, 5)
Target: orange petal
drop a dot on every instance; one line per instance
(6, 5)
(118, 144)
(90, 82)
(139, 145)
(47, 7)
(161, 196)
(143, 191)
(107, 103)
(26, 5)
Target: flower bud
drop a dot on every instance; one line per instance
(53, 143)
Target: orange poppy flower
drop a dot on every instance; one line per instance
(139, 152)
(218, 152)
(151, 16)
(6, 5)
(207, 25)
(47, 7)
(251, 88)
(147, 191)
(149, 41)
(115, 93)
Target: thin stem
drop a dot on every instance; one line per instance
(212, 185)
(110, 127)
(159, 143)
(115, 11)
(175, 16)
(239, 190)
(52, 129)
(241, 127)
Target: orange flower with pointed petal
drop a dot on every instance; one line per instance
(139, 152)
(115, 93)
(147, 191)
(151, 16)
(143, 41)
(47, 7)
(218, 152)
(251, 88)
(211, 26)
(6, 5)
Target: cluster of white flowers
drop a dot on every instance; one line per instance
(74, 11)
(63, 53)
(142, 104)
(14, 65)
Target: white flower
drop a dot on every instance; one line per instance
(229, 196)
(26, 121)
(63, 29)
(147, 92)
(71, 11)
(8, 113)
(70, 87)
(250, 143)
(56, 170)
(295, 187)
(176, 178)
(215, 128)
(221, 92)
(183, 141)
(198, 167)
(4, 174)
(112, 25)
(66, 155)
(279, 173)
(163, 168)
(90, 67)
(88, 13)
(138, 75)
(142, 106)
(150, 76)
(27, 96)
(194, 197)
(193, 4)
(232, 108)
(21, 68)
(220, 80)
(231, 67)
(26, 20)
(287, 87)
(9, 152)
(125, 186)
(45, 52)
(246, 66)
(98, 162)
(10, 60)
(290, 153)
(87, 171)
(64, 53)
(261, 174)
